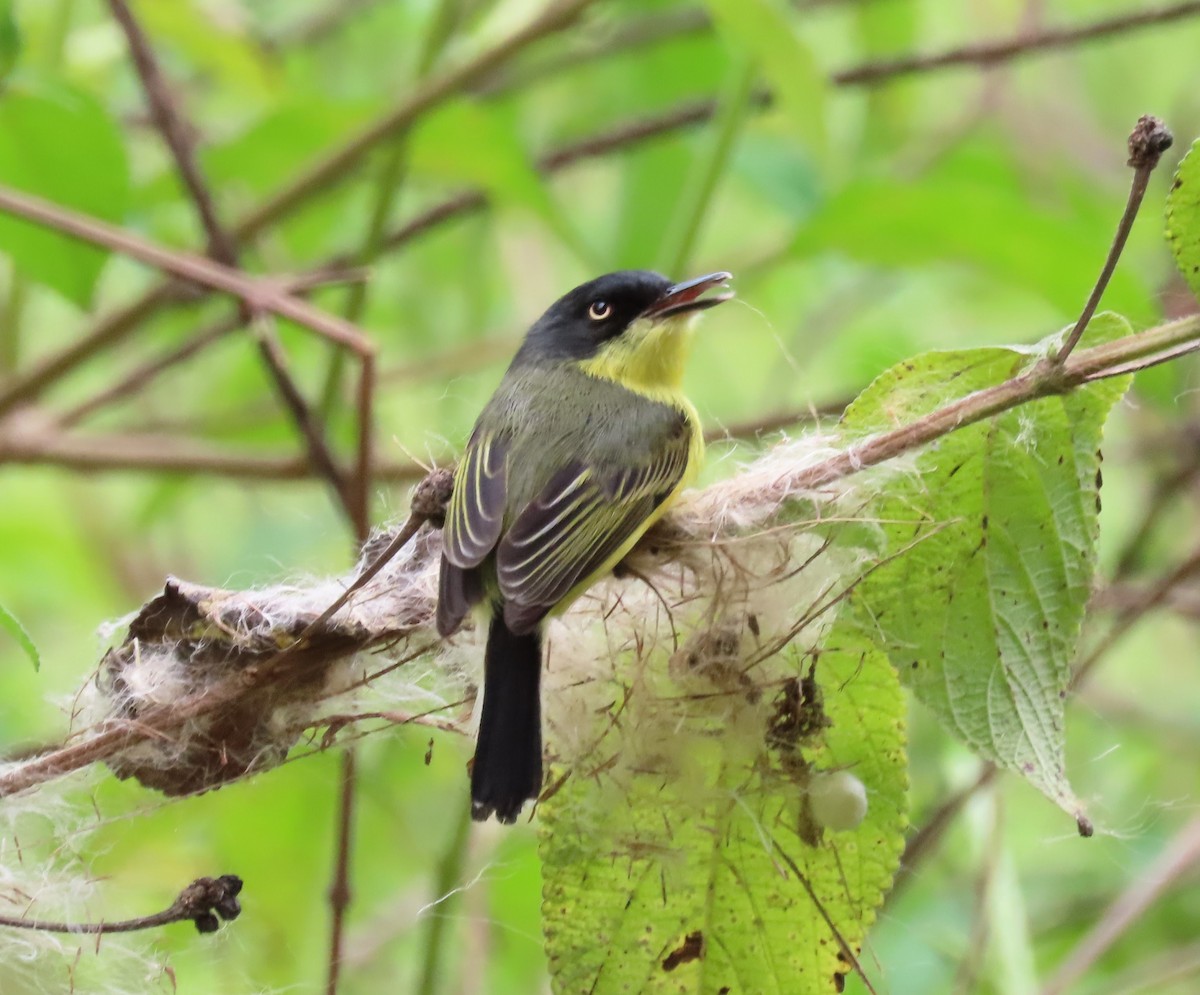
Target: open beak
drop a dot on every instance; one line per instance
(688, 296)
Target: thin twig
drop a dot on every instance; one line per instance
(177, 133)
(1130, 614)
(108, 331)
(847, 952)
(260, 294)
(137, 378)
(994, 52)
(116, 326)
(1181, 854)
(339, 164)
(310, 430)
(149, 453)
(1166, 489)
(925, 841)
(204, 902)
(339, 890)
(1149, 139)
(117, 735)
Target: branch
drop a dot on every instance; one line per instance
(24, 441)
(1178, 858)
(111, 329)
(1149, 139)
(177, 134)
(555, 17)
(339, 890)
(141, 375)
(205, 901)
(996, 52)
(623, 136)
(235, 637)
(259, 294)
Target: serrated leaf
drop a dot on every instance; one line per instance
(988, 552)
(765, 28)
(661, 854)
(1183, 218)
(9, 623)
(47, 133)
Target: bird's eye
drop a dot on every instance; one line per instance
(599, 310)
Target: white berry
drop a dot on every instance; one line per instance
(838, 800)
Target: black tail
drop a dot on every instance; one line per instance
(508, 752)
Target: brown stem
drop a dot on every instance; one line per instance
(110, 329)
(991, 53)
(258, 294)
(1130, 614)
(310, 430)
(925, 841)
(339, 890)
(146, 453)
(1081, 366)
(1177, 859)
(554, 17)
(1149, 139)
(138, 377)
(176, 132)
(205, 902)
(118, 325)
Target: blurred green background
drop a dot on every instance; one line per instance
(942, 209)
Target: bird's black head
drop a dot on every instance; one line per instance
(578, 324)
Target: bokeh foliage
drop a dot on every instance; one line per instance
(954, 210)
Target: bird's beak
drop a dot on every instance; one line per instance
(688, 296)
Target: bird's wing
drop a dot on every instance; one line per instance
(474, 519)
(476, 511)
(583, 516)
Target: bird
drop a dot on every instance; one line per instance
(585, 443)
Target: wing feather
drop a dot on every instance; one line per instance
(579, 521)
(475, 516)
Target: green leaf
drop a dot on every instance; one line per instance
(766, 29)
(662, 850)
(9, 623)
(963, 220)
(988, 550)
(476, 145)
(219, 47)
(59, 143)
(1183, 218)
(884, 30)
(10, 40)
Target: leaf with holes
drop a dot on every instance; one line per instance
(683, 854)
